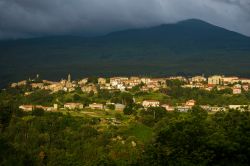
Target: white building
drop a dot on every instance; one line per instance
(150, 103)
(101, 81)
(190, 103)
(145, 80)
(238, 107)
(245, 80)
(236, 90)
(198, 79)
(215, 80)
(230, 80)
(96, 106)
(83, 81)
(167, 107)
(72, 106)
(119, 107)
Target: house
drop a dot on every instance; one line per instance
(158, 81)
(236, 90)
(190, 103)
(245, 87)
(215, 80)
(119, 107)
(49, 82)
(212, 108)
(54, 87)
(145, 88)
(198, 79)
(26, 107)
(37, 85)
(21, 83)
(238, 107)
(182, 108)
(153, 86)
(89, 88)
(150, 103)
(167, 107)
(121, 87)
(96, 106)
(244, 80)
(145, 80)
(209, 87)
(217, 109)
(72, 106)
(114, 81)
(83, 81)
(180, 78)
(196, 85)
(102, 81)
(230, 80)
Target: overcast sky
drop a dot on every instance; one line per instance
(28, 18)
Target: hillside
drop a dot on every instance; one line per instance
(187, 47)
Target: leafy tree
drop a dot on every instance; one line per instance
(128, 110)
(37, 112)
(111, 106)
(126, 98)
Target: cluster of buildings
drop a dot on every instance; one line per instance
(220, 82)
(73, 106)
(145, 83)
(114, 83)
(125, 83)
(182, 107)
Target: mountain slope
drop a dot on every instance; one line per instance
(189, 47)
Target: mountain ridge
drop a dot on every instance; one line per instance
(190, 46)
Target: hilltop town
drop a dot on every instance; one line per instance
(230, 85)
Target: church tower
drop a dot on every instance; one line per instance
(69, 78)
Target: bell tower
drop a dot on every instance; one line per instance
(69, 78)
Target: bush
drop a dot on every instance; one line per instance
(38, 112)
(111, 106)
(118, 116)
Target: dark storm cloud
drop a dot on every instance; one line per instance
(25, 18)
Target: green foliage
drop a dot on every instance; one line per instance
(203, 97)
(118, 116)
(174, 83)
(128, 110)
(37, 112)
(126, 98)
(195, 138)
(5, 116)
(152, 115)
(149, 137)
(111, 106)
(39, 97)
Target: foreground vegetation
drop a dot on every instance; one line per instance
(140, 137)
(192, 138)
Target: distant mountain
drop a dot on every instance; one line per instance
(187, 47)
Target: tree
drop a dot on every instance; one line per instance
(118, 116)
(38, 112)
(5, 116)
(126, 98)
(156, 112)
(128, 110)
